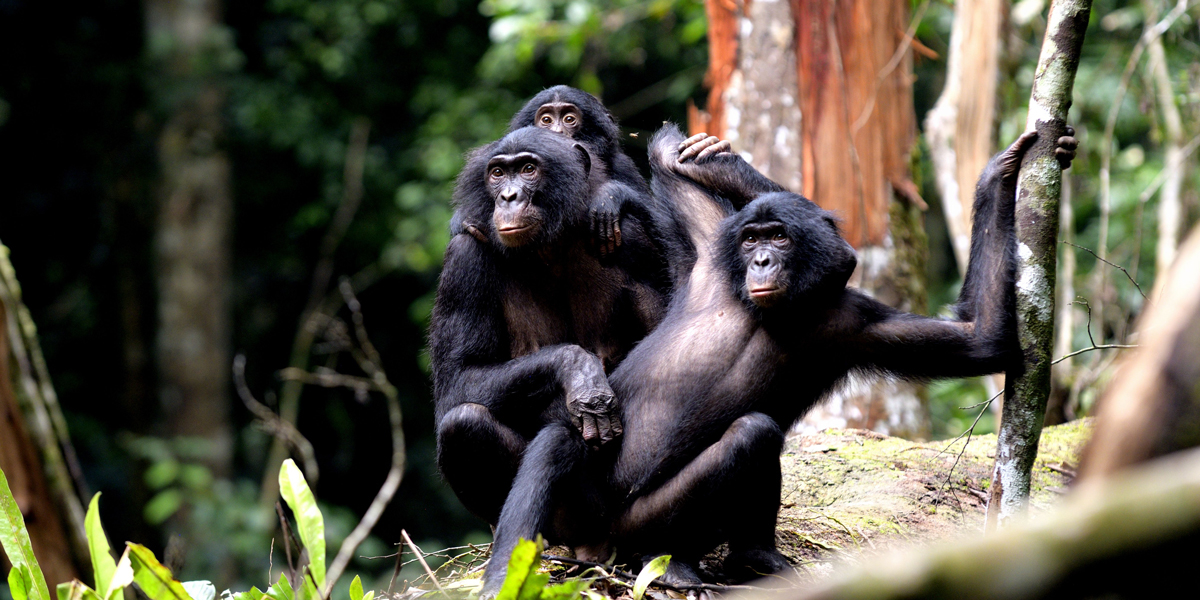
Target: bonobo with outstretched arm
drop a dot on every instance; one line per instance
(762, 329)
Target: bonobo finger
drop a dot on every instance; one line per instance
(1064, 157)
(692, 140)
(589, 431)
(1068, 142)
(720, 147)
(617, 429)
(695, 149)
(1070, 131)
(604, 425)
(617, 230)
(475, 232)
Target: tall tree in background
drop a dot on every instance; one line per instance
(817, 95)
(188, 49)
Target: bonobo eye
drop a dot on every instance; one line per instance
(528, 169)
(569, 119)
(497, 172)
(546, 120)
(749, 239)
(779, 237)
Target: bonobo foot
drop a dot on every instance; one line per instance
(746, 564)
(590, 400)
(1009, 161)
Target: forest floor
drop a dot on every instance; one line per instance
(849, 495)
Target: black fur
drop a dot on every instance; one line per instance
(706, 396)
(521, 340)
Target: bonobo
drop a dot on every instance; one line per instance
(765, 327)
(583, 118)
(527, 320)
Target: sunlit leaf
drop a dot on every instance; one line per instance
(15, 540)
(252, 594)
(649, 573)
(356, 591)
(122, 577)
(19, 582)
(102, 561)
(282, 590)
(152, 577)
(309, 521)
(76, 590)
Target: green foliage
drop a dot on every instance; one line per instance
(102, 561)
(14, 538)
(152, 577)
(309, 522)
(650, 572)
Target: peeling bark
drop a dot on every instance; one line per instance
(1039, 186)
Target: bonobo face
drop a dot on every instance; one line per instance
(513, 180)
(764, 247)
(559, 117)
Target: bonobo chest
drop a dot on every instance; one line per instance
(568, 297)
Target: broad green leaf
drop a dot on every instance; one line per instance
(522, 581)
(356, 592)
(102, 560)
(76, 590)
(309, 521)
(15, 540)
(281, 590)
(19, 582)
(122, 577)
(252, 594)
(649, 573)
(154, 579)
(200, 590)
(369, 595)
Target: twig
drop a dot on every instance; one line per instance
(287, 538)
(968, 433)
(1111, 264)
(1062, 471)
(352, 190)
(395, 570)
(425, 565)
(272, 424)
(370, 361)
(1162, 175)
(1093, 347)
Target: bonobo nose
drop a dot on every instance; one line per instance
(508, 194)
(762, 259)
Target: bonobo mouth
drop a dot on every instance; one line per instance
(513, 229)
(764, 291)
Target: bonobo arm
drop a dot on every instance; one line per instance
(983, 339)
(469, 340)
(708, 161)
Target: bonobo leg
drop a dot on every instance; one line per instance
(695, 508)
(478, 455)
(550, 477)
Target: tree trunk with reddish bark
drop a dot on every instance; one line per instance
(817, 95)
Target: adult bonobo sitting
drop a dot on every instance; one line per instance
(528, 321)
(763, 327)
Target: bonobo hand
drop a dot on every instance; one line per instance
(605, 216)
(590, 401)
(701, 147)
(1009, 162)
(1065, 152)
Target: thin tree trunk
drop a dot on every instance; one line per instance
(1038, 190)
(192, 243)
(817, 95)
(31, 455)
(1176, 165)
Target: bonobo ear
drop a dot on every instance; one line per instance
(827, 262)
(585, 158)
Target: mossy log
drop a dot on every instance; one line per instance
(850, 493)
